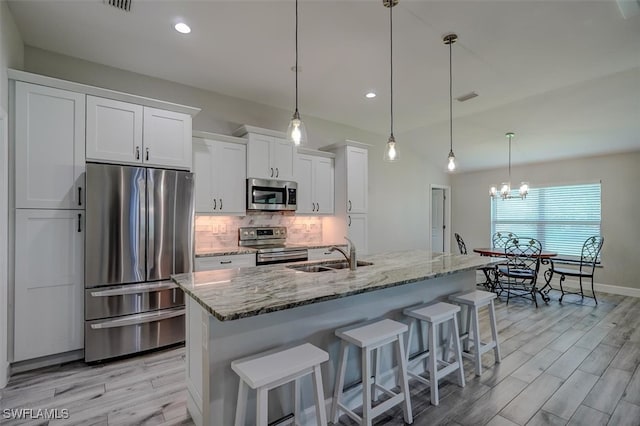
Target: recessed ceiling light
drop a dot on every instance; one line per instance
(183, 28)
(370, 95)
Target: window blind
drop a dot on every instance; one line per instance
(561, 217)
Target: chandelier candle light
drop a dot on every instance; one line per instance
(505, 187)
(391, 153)
(296, 132)
(450, 39)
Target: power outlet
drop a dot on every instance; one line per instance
(222, 228)
(214, 229)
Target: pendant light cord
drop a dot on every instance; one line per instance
(450, 99)
(296, 56)
(510, 160)
(391, 57)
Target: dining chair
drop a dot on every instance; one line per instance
(587, 266)
(499, 239)
(486, 270)
(519, 274)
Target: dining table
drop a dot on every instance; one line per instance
(544, 257)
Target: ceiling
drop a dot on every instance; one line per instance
(563, 75)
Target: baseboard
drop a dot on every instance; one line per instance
(46, 361)
(604, 288)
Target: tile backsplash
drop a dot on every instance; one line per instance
(214, 232)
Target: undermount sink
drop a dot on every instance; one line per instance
(326, 266)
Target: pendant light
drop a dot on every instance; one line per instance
(391, 152)
(505, 187)
(450, 39)
(296, 132)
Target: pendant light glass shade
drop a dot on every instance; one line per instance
(449, 39)
(296, 132)
(391, 154)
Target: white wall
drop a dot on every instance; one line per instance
(398, 193)
(11, 56)
(620, 177)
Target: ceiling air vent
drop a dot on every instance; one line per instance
(120, 4)
(466, 97)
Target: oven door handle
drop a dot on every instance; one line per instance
(139, 319)
(290, 255)
(133, 289)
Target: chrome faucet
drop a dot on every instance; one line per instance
(351, 257)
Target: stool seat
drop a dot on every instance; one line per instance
(474, 298)
(371, 332)
(268, 367)
(435, 313)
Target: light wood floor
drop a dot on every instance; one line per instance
(572, 364)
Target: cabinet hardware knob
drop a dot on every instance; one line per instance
(137, 152)
(277, 172)
(147, 154)
(79, 195)
(225, 262)
(318, 208)
(220, 203)
(349, 220)
(271, 171)
(215, 204)
(79, 222)
(349, 205)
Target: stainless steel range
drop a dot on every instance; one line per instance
(271, 243)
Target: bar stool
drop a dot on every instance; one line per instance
(475, 300)
(370, 336)
(434, 315)
(274, 368)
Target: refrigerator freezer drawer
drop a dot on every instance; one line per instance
(133, 333)
(106, 302)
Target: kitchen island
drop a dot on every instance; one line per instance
(239, 312)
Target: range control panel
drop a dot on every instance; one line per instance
(262, 233)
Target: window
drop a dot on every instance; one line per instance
(561, 217)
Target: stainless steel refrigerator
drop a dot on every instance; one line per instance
(139, 231)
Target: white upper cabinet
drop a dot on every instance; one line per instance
(114, 130)
(166, 138)
(315, 178)
(220, 175)
(49, 282)
(268, 156)
(122, 132)
(50, 139)
(357, 179)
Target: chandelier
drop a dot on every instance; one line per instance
(505, 187)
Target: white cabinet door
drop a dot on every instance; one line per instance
(357, 230)
(205, 175)
(167, 138)
(357, 180)
(304, 178)
(230, 161)
(49, 305)
(258, 152)
(225, 262)
(114, 131)
(50, 139)
(323, 185)
(282, 158)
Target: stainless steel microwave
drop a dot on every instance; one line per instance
(271, 195)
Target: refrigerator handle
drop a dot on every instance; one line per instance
(142, 227)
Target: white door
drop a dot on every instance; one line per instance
(230, 163)
(49, 303)
(4, 306)
(114, 131)
(282, 158)
(204, 175)
(304, 178)
(323, 183)
(258, 152)
(166, 138)
(357, 230)
(50, 140)
(357, 180)
(437, 219)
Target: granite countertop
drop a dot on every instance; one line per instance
(231, 294)
(235, 249)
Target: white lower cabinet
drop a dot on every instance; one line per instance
(225, 262)
(325, 254)
(357, 231)
(49, 282)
